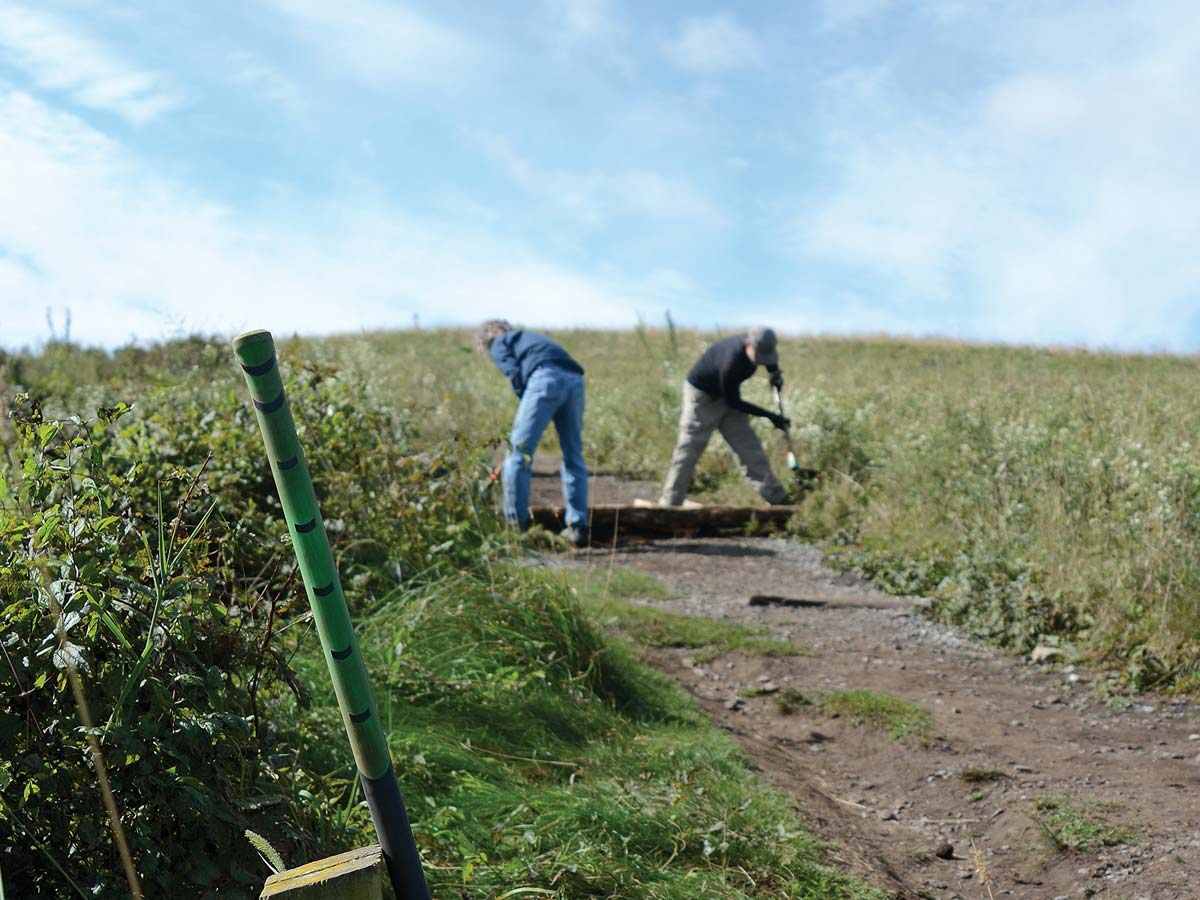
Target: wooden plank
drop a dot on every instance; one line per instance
(669, 521)
(868, 599)
(355, 875)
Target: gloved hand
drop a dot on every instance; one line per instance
(777, 380)
(783, 423)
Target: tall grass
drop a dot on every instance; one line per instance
(1035, 494)
(535, 753)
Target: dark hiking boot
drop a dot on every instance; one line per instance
(576, 535)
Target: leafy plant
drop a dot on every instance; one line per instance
(133, 587)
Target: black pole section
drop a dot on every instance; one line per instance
(256, 354)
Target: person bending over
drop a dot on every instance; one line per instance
(549, 387)
(712, 400)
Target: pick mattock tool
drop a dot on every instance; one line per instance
(256, 353)
(787, 433)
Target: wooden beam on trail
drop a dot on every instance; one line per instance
(865, 599)
(673, 521)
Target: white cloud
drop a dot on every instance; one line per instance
(59, 59)
(713, 43)
(583, 20)
(383, 44)
(844, 13)
(1057, 204)
(597, 197)
(130, 253)
(592, 30)
(248, 71)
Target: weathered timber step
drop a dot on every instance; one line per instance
(840, 601)
(669, 521)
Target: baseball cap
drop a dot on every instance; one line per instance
(763, 339)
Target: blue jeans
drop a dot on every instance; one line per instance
(550, 394)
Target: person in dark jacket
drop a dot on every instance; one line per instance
(549, 385)
(712, 401)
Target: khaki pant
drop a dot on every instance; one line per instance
(702, 414)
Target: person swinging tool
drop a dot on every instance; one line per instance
(712, 401)
(549, 385)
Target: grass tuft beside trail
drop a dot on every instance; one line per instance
(900, 718)
(1081, 826)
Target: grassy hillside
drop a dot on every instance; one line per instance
(1037, 495)
(147, 547)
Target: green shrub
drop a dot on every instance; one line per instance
(159, 536)
(137, 596)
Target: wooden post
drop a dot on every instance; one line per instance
(356, 875)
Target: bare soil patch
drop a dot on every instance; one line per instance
(1006, 732)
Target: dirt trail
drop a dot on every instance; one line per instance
(892, 805)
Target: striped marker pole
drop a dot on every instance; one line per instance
(256, 352)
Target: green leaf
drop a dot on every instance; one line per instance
(70, 656)
(111, 624)
(49, 525)
(46, 432)
(110, 414)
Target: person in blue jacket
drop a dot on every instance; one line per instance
(549, 385)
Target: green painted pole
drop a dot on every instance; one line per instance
(256, 353)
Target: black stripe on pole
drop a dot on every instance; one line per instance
(344, 653)
(271, 406)
(262, 369)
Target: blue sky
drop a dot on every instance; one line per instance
(1006, 171)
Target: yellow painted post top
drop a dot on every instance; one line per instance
(356, 875)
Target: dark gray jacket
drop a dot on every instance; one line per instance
(722, 368)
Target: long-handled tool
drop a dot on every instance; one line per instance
(787, 433)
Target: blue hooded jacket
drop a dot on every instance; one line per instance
(518, 354)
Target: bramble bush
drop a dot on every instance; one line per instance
(175, 667)
(159, 539)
